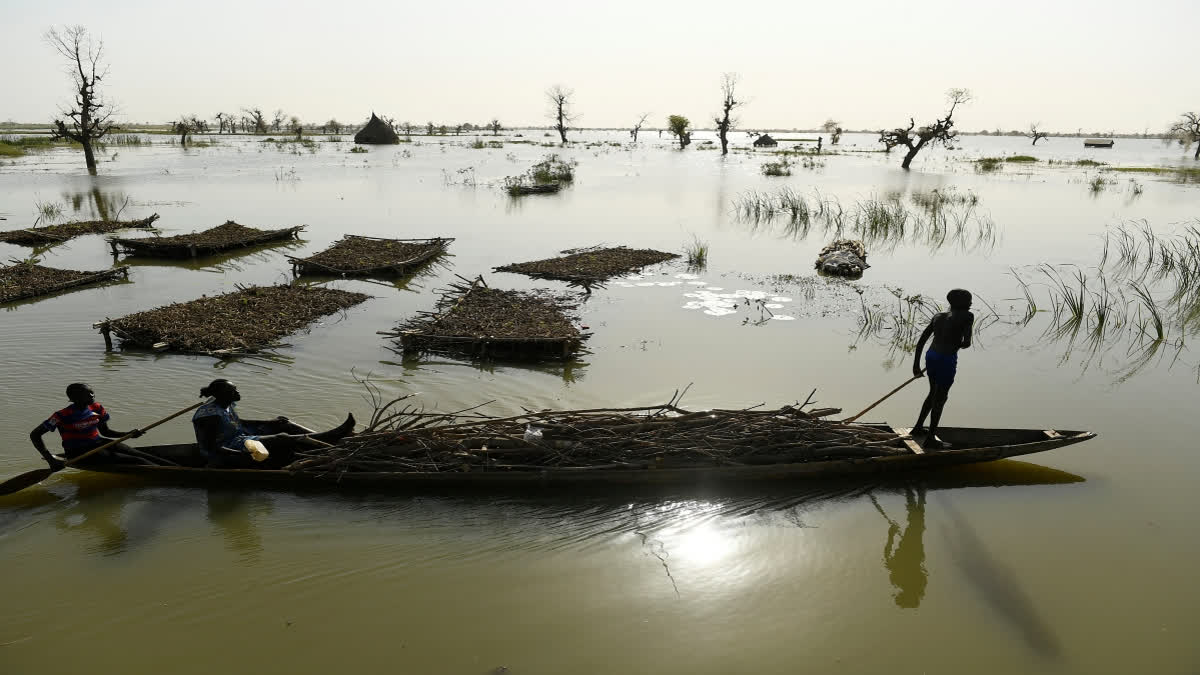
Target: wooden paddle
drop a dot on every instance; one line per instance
(889, 395)
(36, 476)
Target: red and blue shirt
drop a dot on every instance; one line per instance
(79, 427)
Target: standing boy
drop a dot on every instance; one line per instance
(951, 332)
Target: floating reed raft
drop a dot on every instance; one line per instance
(362, 256)
(591, 265)
(27, 280)
(481, 321)
(52, 234)
(519, 189)
(405, 439)
(245, 321)
(220, 238)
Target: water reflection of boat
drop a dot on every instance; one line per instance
(968, 446)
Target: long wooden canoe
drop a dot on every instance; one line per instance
(968, 446)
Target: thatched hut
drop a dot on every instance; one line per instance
(765, 141)
(376, 132)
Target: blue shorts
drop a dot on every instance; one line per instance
(940, 368)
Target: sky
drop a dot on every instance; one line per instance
(1097, 66)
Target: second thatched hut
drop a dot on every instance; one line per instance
(377, 132)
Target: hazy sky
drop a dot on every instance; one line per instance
(1098, 65)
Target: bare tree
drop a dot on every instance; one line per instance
(333, 126)
(429, 128)
(295, 126)
(1034, 132)
(1187, 130)
(184, 128)
(89, 118)
(562, 100)
(834, 129)
(407, 127)
(941, 131)
(633, 133)
(678, 126)
(255, 119)
(221, 122)
(278, 119)
(495, 127)
(728, 103)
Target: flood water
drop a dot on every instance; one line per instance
(1080, 560)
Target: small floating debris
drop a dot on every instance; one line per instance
(356, 255)
(590, 266)
(224, 237)
(246, 321)
(474, 318)
(53, 234)
(843, 258)
(29, 280)
(520, 189)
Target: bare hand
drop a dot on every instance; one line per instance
(55, 463)
(917, 372)
(137, 433)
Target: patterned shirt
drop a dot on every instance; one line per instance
(78, 426)
(231, 432)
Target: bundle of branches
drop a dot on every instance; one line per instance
(220, 238)
(371, 255)
(28, 280)
(248, 320)
(51, 234)
(473, 317)
(590, 265)
(402, 438)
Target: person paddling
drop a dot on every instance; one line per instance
(222, 435)
(951, 332)
(83, 425)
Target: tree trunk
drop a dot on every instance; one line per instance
(908, 157)
(722, 132)
(89, 157)
(562, 128)
(1197, 155)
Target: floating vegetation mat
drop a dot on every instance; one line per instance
(474, 318)
(25, 280)
(405, 439)
(356, 255)
(590, 266)
(242, 322)
(220, 238)
(52, 234)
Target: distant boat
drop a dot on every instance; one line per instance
(1098, 142)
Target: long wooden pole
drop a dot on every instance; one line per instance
(38, 475)
(886, 397)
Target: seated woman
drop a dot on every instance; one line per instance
(83, 425)
(222, 436)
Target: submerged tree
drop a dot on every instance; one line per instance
(834, 129)
(633, 133)
(89, 118)
(678, 126)
(279, 118)
(728, 103)
(562, 100)
(941, 131)
(1034, 132)
(1187, 130)
(255, 120)
(495, 127)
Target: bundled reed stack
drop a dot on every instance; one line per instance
(249, 320)
(474, 319)
(29, 280)
(228, 236)
(355, 255)
(405, 439)
(590, 266)
(53, 234)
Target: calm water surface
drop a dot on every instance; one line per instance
(1079, 561)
